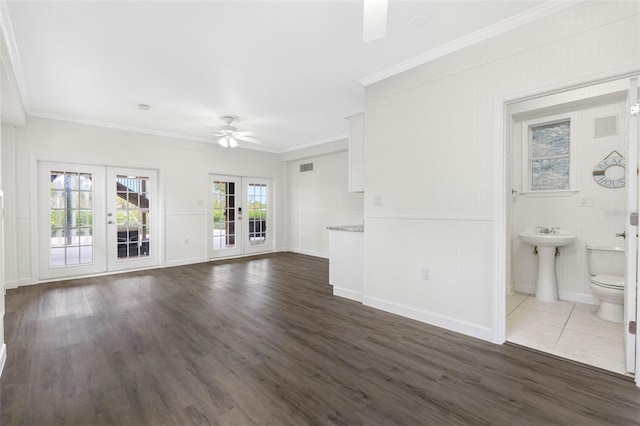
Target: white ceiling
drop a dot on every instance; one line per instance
(289, 70)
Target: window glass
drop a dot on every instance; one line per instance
(550, 156)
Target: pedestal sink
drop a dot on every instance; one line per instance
(546, 244)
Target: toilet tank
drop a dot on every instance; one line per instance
(606, 260)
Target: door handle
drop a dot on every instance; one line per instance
(622, 234)
(110, 222)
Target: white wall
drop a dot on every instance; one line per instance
(429, 155)
(183, 167)
(318, 198)
(3, 347)
(596, 224)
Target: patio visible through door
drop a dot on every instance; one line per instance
(94, 219)
(240, 217)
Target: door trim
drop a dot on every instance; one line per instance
(34, 159)
(501, 188)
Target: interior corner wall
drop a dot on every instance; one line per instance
(184, 167)
(429, 156)
(317, 199)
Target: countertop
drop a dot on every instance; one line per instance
(348, 228)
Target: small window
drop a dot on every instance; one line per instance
(548, 159)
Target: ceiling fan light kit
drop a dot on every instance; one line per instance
(229, 135)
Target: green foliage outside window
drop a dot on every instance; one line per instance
(258, 214)
(80, 218)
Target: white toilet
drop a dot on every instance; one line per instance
(606, 267)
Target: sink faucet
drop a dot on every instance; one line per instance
(543, 230)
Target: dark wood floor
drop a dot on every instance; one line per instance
(262, 341)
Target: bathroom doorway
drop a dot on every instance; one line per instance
(560, 151)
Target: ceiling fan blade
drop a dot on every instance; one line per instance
(374, 24)
(245, 133)
(247, 139)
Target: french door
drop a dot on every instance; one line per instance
(94, 219)
(240, 217)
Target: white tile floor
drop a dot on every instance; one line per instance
(567, 329)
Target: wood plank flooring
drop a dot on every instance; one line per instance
(262, 341)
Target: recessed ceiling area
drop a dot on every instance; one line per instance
(288, 70)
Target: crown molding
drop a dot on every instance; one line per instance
(13, 64)
(315, 143)
(526, 17)
(15, 102)
(116, 126)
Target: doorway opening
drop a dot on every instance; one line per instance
(554, 144)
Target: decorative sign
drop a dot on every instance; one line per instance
(612, 161)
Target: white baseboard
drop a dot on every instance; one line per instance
(3, 357)
(526, 289)
(570, 296)
(510, 289)
(463, 327)
(347, 294)
(309, 252)
(588, 299)
(181, 262)
(19, 283)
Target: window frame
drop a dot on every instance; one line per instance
(527, 158)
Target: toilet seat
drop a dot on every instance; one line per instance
(609, 281)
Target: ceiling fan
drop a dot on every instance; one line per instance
(374, 25)
(229, 135)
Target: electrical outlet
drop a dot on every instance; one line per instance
(186, 241)
(377, 200)
(426, 274)
(586, 200)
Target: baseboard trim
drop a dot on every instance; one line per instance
(527, 289)
(588, 299)
(10, 285)
(347, 294)
(510, 289)
(182, 262)
(309, 252)
(3, 357)
(463, 327)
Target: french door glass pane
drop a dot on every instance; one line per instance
(132, 216)
(257, 199)
(224, 220)
(71, 211)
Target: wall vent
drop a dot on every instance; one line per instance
(306, 167)
(605, 126)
